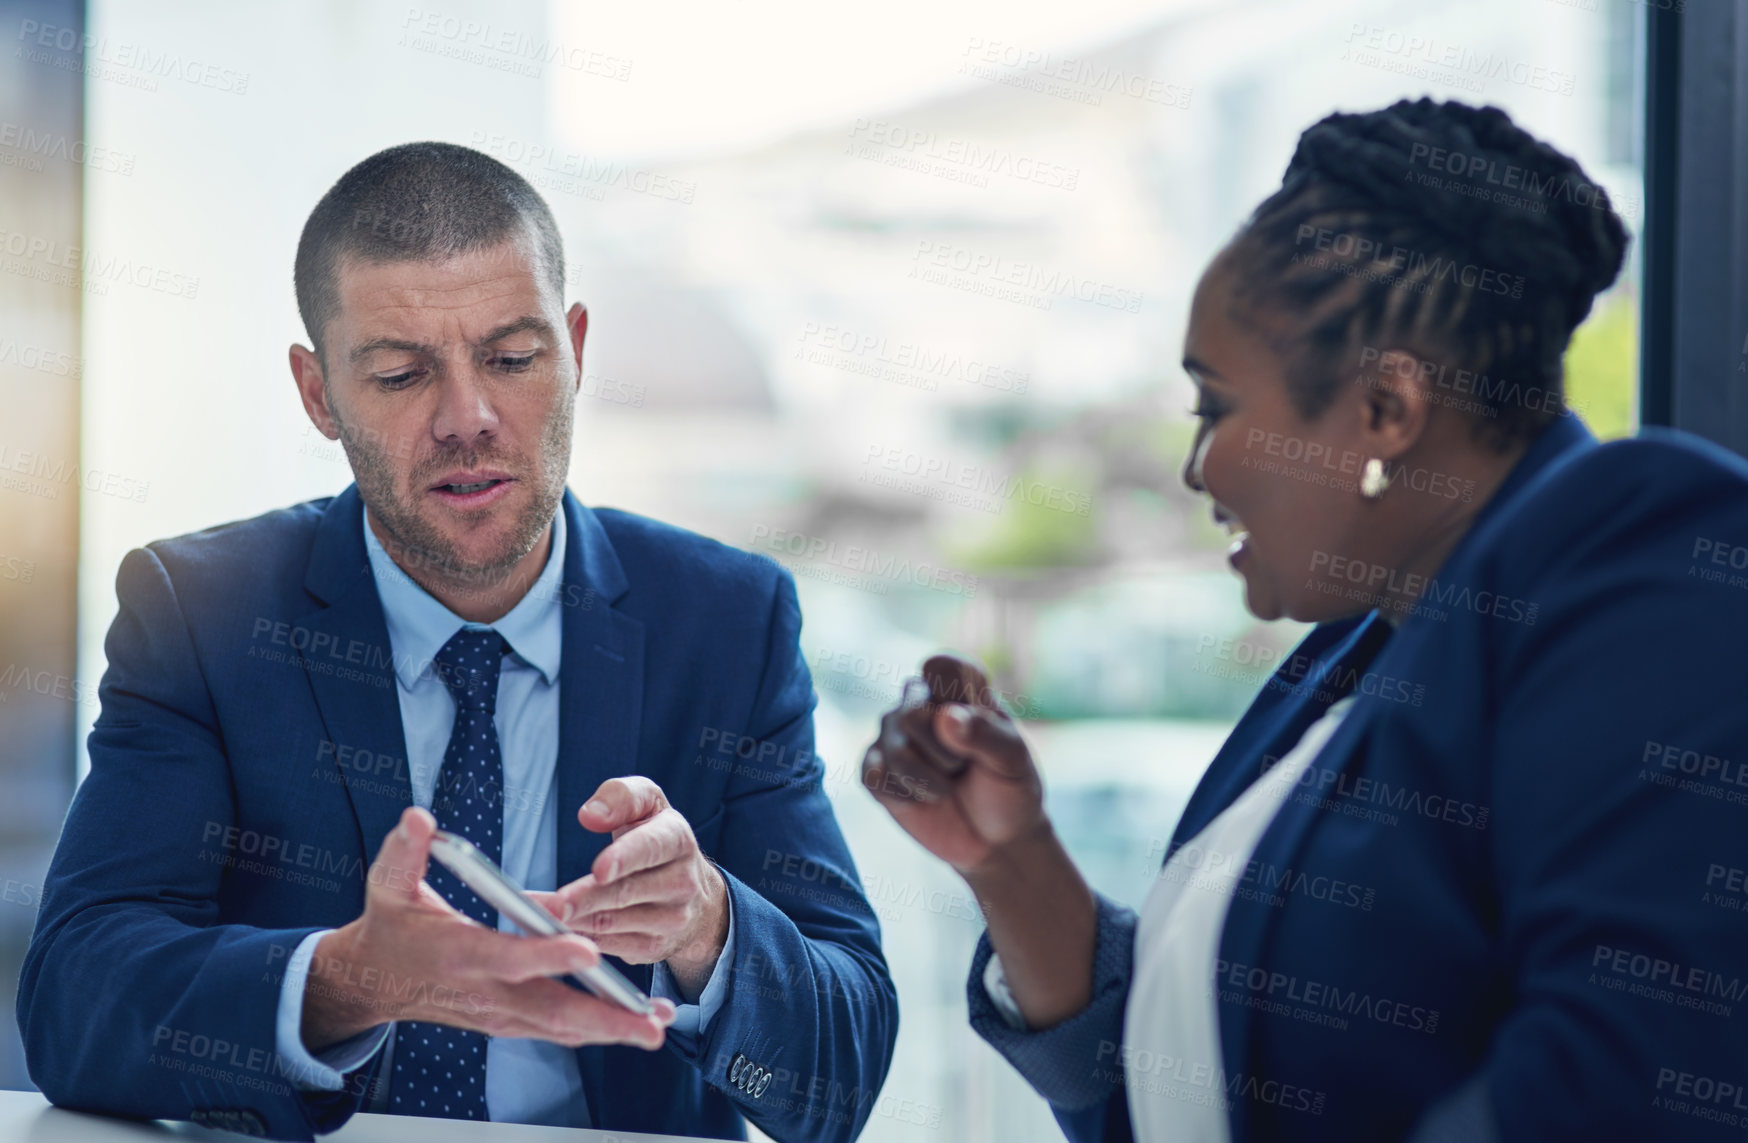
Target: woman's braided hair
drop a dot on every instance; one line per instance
(1439, 228)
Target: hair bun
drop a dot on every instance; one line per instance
(1500, 197)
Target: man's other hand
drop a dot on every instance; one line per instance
(651, 895)
(411, 956)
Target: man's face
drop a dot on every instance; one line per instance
(452, 387)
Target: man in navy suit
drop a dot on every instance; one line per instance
(241, 925)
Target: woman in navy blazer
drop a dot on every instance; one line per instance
(1498, 893)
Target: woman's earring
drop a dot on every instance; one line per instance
(1373, 480)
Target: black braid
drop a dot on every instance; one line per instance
(1436, 227)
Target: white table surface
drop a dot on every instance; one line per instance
(26, 1117)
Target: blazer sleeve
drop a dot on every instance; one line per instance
(1076, 1065)
(1620, 741)
(805, 1034)
(133, 1000)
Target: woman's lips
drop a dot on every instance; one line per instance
(1239, 549)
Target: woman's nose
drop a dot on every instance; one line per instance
(1192, 474)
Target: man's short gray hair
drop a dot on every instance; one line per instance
(414, 203)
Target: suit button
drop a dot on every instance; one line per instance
(736, 1069)
(764, 1082)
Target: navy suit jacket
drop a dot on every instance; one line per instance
(249, 760)
(1504, 901)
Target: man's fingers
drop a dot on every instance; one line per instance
(562, 902)
(522, 1000)
(659, 919)
(552, 901)
(549, 1010)
(662, 839)
(663, 885)
(400, 864)
(621, 801)
(582, 1018)
(505, 956)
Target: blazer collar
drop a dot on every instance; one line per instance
(1320, 670)
(600, 685)
(337, 558)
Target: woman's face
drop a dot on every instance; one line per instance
(1286, 487)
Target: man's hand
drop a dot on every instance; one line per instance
(412, 956)
(651, 895)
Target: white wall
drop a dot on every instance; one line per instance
(192, 396)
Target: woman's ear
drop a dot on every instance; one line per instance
(1395, 399)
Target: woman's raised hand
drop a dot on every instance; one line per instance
(952, 769)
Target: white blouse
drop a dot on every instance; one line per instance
(1172, 1062)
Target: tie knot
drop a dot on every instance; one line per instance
(469, 665)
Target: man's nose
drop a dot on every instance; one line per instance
(464, 407)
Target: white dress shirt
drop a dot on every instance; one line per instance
(527, 1081)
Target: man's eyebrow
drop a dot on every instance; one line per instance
(532, 322)
(377, 343)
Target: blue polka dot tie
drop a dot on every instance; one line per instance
(440, 1071)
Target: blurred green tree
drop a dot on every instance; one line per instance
(1602, 367)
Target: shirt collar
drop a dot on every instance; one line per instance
(419, 625)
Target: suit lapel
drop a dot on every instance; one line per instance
(1247, 922)
(1290, 702)
(600, 686)
(346, 655)
(600, 701)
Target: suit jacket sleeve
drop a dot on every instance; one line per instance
(804, 1038)
(1620, 741)
(132, 999)
(1076, 1065)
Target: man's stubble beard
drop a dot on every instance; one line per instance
(424, 551)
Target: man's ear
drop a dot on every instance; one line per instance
(306, 371)
(1395, 401)
(576, 322)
